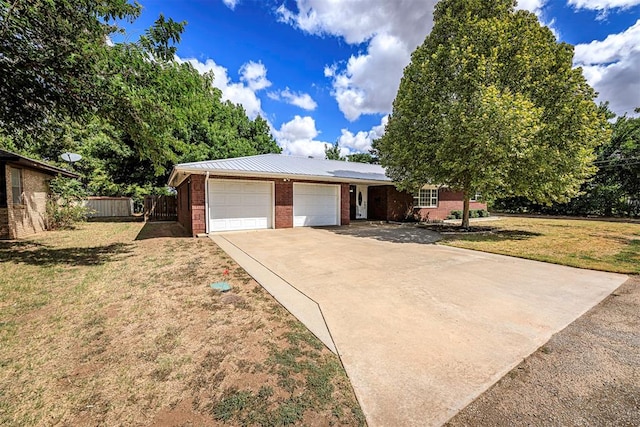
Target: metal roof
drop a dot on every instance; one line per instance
(282, 166)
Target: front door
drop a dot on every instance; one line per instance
(361, 201)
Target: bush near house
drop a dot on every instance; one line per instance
(64, 207)
(473, 213)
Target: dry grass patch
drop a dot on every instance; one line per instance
(115, 324)
(597, 245)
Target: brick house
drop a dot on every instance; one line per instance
(278, 191)
(24, 187)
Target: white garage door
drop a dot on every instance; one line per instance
(316, 204)
(240, 205)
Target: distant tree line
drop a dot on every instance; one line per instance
(131, 109)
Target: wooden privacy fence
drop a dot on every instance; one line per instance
(109, 206)
(160, 208)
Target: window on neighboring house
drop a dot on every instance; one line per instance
(426, 198)
(3, 187)
(476, 197)
(16, 186)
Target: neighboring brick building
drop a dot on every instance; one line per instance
(276, 191)
(24, 187)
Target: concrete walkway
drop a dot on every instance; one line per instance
(421, 329)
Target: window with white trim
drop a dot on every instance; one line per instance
(16, 186)
(426, 198)
(476, 197)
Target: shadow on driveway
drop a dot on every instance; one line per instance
(394, 233)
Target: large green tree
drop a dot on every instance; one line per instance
(490, 103)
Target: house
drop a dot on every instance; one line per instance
(278, 191)
(24, 186)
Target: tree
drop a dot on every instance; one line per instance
(332, 152)
(362, 158)
(49, 51)
(490, 103)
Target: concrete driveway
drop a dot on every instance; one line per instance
(421, 329)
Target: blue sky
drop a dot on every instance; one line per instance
(322, 71)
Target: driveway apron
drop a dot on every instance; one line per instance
(422, 329)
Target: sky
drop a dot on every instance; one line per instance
(321, 71)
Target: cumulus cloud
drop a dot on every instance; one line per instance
(367, 83)
(603, 5)
(252, 76)
(361, 141)
(231, 4)
(297, 138)
(299, 99)
(611, 67)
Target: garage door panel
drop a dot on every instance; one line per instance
(238, 205)
(315, 205)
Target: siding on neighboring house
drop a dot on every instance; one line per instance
(28, 217)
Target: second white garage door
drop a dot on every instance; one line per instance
(315, 205)
(240, 205)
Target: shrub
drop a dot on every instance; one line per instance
(457, 214)
(64, 205)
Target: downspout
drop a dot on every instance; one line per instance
(206, 204)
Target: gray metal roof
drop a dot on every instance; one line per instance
(282, 166)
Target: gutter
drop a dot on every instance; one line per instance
(206, 204)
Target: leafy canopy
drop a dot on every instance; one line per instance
(131, 109)
(490, 103)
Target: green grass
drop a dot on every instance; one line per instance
(596, 245)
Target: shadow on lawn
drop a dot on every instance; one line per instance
(24, 252)
(154, 230)
(492, 235)
(388, 233)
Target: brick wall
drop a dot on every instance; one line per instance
(29, 217)
(198, 214)
(184, 207)
(344, 205)
(399, 204)
(284, 204)
(4, 223)
(447, 201)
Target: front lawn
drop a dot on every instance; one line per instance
(597, 245)
(115, 324)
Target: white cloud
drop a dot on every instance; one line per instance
(299, 99)
(252, 73)
(368, 82)
(534, 6)
(361, 141)
(611, 67)
(297, 137)
(603, 5)
(231, 4)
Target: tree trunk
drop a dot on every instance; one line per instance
(465, 211)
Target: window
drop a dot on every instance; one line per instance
(476, 197)
(426, 198)
(16, 186)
